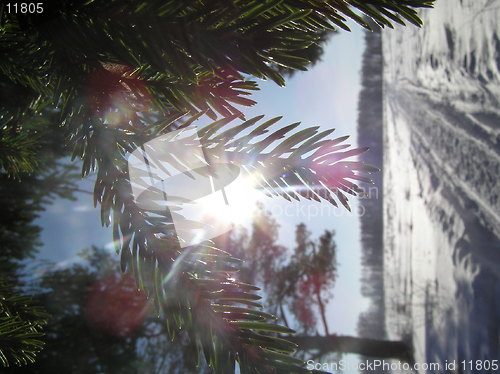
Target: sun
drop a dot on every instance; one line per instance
(233, 204)
(243, 197)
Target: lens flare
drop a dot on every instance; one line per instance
(115, 306)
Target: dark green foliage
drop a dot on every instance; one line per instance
(118, 73)
(23, 120)
(20, 204)
(18, 234)
(16, 153)
(21, 327)
(21, 323)
(189, 52)
(29, 142)
(313, 53)
(21, 201)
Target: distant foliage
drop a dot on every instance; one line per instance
(101, 323)
(297, 281)
(370, 132)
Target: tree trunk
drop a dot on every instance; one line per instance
(350, 344)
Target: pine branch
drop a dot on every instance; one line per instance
(292, 164)
(194, 289)
(17, 153)
(21, 327)
(304, 164)
(185, 57)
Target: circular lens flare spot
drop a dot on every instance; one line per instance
(115, 305)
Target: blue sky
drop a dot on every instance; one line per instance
(325, 96)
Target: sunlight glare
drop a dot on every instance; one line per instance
(242, 197)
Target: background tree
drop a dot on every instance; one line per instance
(33, 145)
(101, 323)
(119, 74)
(37, 147)
(370, 123)
(298, 285)
(296, 281)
